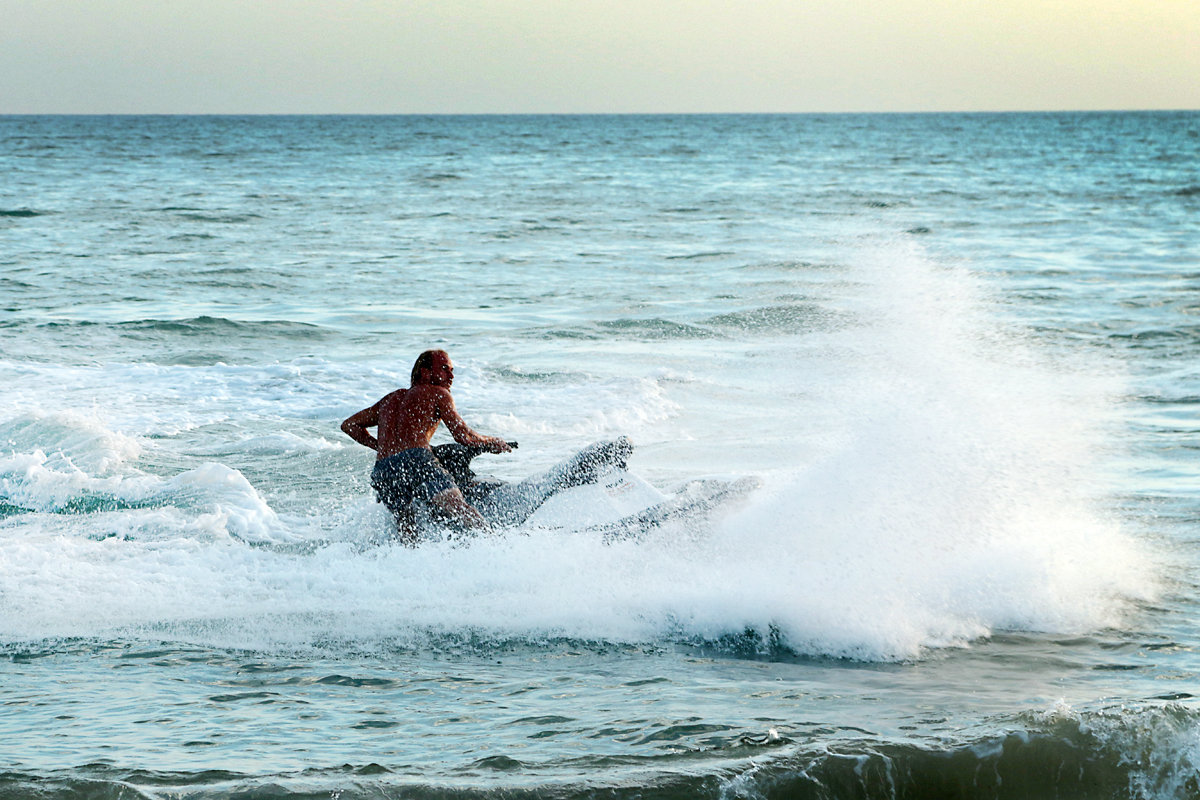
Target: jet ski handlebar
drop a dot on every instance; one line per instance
(456, 458)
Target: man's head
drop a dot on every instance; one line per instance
(433, 367)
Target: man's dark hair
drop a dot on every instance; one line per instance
(424, 361)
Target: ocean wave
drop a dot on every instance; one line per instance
(196, 215)
(542, 377)
(190, 237)
(703, 256)
(202, 340)
(1147, 753)
(205, 325)
(210, 500)
(635, 329)
(77, 442)
(792, 266)
(202, 325)
(1126, 753)
(654, 328)
(791, 318)
(283, 443)
(799, 317)
(437, 177)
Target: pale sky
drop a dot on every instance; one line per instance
(581, 56)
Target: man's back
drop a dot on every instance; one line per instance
(409, 417)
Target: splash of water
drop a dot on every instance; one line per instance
(957, 494)
(947, 492)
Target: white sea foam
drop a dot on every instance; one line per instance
(280, 443)
(959, 497)
(84, 440)
(946, 492)
(211, 498)
(28, 481)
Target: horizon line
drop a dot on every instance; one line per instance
(980, 112)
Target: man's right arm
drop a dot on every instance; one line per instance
(462, 432)
(355, 426)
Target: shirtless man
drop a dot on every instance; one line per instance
(406, 471)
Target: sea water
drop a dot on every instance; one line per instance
(958, 353)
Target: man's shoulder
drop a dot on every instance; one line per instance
(428, 390)
(392, 397)
(419, 397)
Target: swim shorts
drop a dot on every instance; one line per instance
(409, 476)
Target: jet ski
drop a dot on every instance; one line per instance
(592, 491)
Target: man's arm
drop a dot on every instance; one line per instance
(355, 426)
(462, 432)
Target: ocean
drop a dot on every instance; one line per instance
(959, 353)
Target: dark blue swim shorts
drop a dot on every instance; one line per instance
(409, 476)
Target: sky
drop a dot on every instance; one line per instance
(596, 56)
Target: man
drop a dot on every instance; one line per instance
(406, 470)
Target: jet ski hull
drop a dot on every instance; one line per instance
(591, 491)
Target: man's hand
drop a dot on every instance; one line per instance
(495, 444)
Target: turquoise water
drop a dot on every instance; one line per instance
(957, 351)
